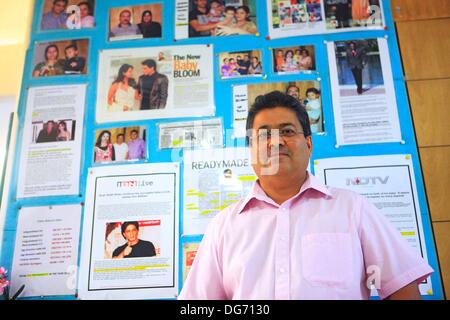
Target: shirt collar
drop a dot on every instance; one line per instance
(258, 193)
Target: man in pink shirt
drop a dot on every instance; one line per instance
(293, 237)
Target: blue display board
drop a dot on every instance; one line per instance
(324, 144)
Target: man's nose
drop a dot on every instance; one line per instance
(276, 140)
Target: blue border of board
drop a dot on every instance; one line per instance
(324, 143)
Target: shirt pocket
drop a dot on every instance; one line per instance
(327, 259)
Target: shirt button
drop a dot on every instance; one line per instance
(282, 270)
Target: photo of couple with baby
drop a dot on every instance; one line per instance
(60, 58)
(221, 18)
(293, 59)
(67, 14)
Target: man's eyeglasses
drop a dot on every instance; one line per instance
(285, 133)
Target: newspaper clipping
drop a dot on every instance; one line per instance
(192, 134)
(51, 147)
(155, 82)
(362, 86)
(213, 180)
(130, 243)
(305, 17)
(46, 250)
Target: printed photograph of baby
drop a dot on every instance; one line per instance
(240, 64)
(293, 59)
(222, 18)
(67, 14)
(58, 58)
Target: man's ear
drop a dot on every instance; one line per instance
(309, 143)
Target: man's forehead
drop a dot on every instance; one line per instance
(275, 118)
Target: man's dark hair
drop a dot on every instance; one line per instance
(220, 3)
(65, 2)
(313, 90)
(228, 8)
(73, 46)
(120, 135)
(292, 86)
(276, 99)
(85, 3)
(53, 123)
(149, 63)
(135, 131)
(146, 12)
(125, 11)
(127, 223)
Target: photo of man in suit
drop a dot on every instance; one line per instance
(152, 87)
(357, 59)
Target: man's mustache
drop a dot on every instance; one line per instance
(277, 151)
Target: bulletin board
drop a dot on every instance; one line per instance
(264, 42)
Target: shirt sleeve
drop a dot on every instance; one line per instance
(395, 261)
(81, 64)
(192, 15)
(151, 249)
(38, 66)
(117, 251)
(139, 85)
(205, 279)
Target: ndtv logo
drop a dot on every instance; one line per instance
(363, 181)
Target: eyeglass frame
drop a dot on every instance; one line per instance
(269, 134)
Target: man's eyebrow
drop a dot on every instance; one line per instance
(285, 124)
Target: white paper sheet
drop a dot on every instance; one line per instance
(50, 164)
(213, 180)
(46, 250)
(148, 195)
(388, 182)
(372, 116)
(240, 110)
(191, 134)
